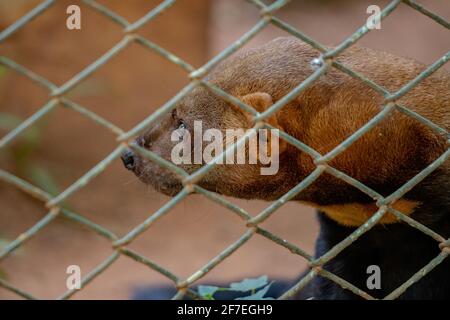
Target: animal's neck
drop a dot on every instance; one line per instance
(356, 214)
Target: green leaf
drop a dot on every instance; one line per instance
(3, 243)
(249, 284)
(2, 71)
(8, 122)
(259, 295)
(43, 179)
(207, 291)
(2, 274)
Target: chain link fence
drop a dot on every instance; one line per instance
(328, 59)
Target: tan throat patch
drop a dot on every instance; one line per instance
(356, 214)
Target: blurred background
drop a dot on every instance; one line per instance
(62, 147)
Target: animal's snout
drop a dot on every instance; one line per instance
(128, 159)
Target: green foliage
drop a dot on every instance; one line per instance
(258, 287)
(20, 154)
(258, 295)
(249, 284)
(207, 292)
(2, 71)
(3, 243)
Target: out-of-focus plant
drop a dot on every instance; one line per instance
(21, 153)
(2, 240)
(252, 289)
(3, 243)
(2, 71)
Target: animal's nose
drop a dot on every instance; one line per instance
(128, 159)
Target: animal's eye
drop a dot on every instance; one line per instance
(181, 130)
(182, 125)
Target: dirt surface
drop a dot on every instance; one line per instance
(126, 90)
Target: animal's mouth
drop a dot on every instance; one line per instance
(162, 182)
(171, 189)
(161, 179)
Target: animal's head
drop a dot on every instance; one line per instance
(198, 130)
(256, 79)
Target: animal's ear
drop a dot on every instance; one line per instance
(261, 101)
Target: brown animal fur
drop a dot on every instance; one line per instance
(322, 116)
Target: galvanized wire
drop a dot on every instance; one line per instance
(330, 57)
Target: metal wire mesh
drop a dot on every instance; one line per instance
(124, 139)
